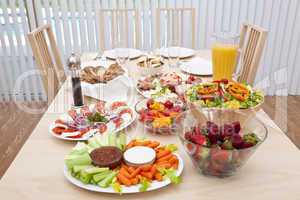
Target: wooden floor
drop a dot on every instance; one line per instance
(16, 125)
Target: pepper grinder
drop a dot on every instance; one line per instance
(73, 63)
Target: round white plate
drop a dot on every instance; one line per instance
(183, 52)
(197, 66)
(125, 190)
(133, 53)
(87, 136)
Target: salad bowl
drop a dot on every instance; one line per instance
(220, 143)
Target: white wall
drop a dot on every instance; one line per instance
(75, 28)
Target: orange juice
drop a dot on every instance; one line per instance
(224, 58)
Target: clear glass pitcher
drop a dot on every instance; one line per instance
(225, 53)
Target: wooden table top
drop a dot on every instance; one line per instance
(273, 172)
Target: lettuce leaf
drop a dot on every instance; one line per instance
(145, 184)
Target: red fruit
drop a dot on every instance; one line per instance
(149, 103)
(212, 127)
(168, 104)
(198, 139)
(220, 156)
(118, 121)
(196, 130)
(237, 141)
(236, 126)
(247, 145)
(226, 132)
(188, 135)
(224, 80)
(176, 109)
(213, 137)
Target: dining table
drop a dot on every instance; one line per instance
(273, 172)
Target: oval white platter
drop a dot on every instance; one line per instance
(93, 131)
(125, 190)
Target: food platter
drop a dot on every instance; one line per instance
(126, 190)
(115, 124)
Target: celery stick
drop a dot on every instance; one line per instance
(93, 143)
(106, 182)
(104, 140)
(112, 139)
(78, 168)
(79, 149)
(84, 177)
(72, 160)
(96, 170)
(101, 176)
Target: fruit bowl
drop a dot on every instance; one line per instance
(160, 117)
(220, 141)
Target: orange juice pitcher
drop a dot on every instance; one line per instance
(224, 56)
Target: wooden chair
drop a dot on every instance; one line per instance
(118, 20)
(252, 41)
(47, 58)
(173, 18)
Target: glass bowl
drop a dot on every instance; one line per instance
(212, 159)
(148, 120)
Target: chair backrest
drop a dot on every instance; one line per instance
(47, 58)
(119, 21)
(252, 42)
(173, 20)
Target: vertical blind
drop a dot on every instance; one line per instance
(75, 25)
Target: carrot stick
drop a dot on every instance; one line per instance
(175, 165)
(130, 169)
(147, 175)
(123, 179)
(163, 153)
(165, 165)
(130, 144)
(141, 143)
(173, 160)
(124, 172)
(165, 158)
(134, 181)
(153, 170)
(136, 172)
(158, 176)
(146, 168)
(153, 144)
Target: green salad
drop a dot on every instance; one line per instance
(224, 94)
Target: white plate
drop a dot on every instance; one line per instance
(197, 66)
(183, 52)
(87, 136)
(133, 53)
(125, 190)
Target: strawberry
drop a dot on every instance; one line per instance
(236, 126)
(237, 141)
(220, 156)
(149, 103)
(168, 104)
(176, 109)
(198, 139)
